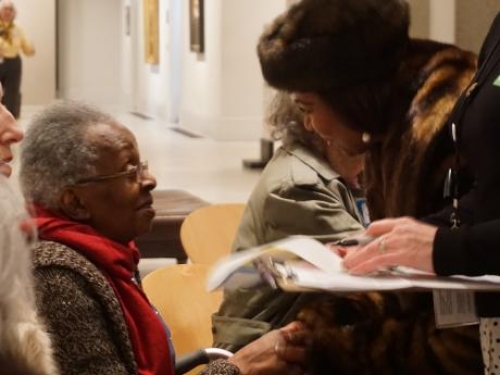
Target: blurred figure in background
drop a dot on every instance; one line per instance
(12, 42)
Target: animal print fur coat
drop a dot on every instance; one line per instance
(406, 166)
(395, 333)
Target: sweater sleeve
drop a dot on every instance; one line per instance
(221, 367)
(468, 251)
(83, 344)
(465, 212)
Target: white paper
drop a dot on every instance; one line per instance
(311, 265)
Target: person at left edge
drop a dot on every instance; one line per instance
(25, 346)
(10, 134)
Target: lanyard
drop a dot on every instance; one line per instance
(451, 182)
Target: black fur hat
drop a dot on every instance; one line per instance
(323, 44)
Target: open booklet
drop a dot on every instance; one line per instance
(301, 263)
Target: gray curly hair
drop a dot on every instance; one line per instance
(286, 123)
(56, 152)
(18, 314)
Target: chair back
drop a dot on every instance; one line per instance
(179, 293)
(208, 233)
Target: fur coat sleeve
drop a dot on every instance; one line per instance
(387, 334)
(406, 167)
(221, 367)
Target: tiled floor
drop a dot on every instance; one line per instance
(209, 169)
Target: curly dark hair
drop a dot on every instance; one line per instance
(286, 123)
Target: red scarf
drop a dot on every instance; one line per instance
(118, 264)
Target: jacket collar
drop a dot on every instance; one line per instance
(315, 162)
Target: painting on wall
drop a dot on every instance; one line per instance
(151, 32)
(127, 20)
(196, 34)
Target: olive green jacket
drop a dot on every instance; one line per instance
(298, 193)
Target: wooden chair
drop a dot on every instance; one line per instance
(163, 240)
(179, 294)
(208, 233)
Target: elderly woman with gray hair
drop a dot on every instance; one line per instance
(82, 171)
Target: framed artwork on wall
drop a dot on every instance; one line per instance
(196, 26)
(127, 20)
(151, 32)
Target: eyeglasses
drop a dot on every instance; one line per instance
(136, 171)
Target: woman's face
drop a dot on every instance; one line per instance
(10, 134)
(119, 208)
(327, 124)
(7, 13)
(344, 149)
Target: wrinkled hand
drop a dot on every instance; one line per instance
(402, 242)
(281, 351)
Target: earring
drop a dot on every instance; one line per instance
(366, 137)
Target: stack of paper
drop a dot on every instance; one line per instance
(300, 263)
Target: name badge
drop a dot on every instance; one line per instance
(496, 82)
(363, 211)
(454, 308)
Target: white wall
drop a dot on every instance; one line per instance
(151, 81)
(100, 63)
(127, 50)
(222, 93)
(90, 50)
(473, 20)
(38, 20)
(442, 20)
(222, 89)
(174, 45)
(201, 84)
(462, 22)
(243, 92)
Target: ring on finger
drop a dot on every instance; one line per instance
(381, 247)
(280, 346)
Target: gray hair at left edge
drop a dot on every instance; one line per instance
(23, 337)
(15, 265)
(56, 153)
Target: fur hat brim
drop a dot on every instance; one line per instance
(324, 44)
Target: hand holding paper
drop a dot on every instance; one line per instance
(301, 263)
(403, 242)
